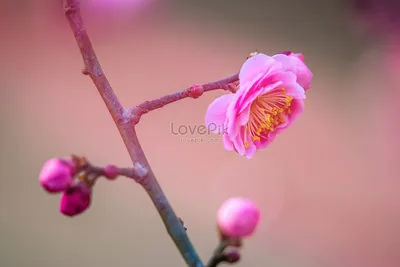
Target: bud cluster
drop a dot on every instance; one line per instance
(73, 178)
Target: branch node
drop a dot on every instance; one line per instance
(135, 114)
(70, 7)
(140, 172)
(127, 116)
(85, 71)
(196, 91)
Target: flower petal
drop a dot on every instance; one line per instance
(256, 93)
(263, 79)
(253, 66)
(288, 81)
(238, 142)
(264, 142)
(227, 142)
(251, 150)
(236, 119)
(216, 112)
(297, 108)
(294, 64)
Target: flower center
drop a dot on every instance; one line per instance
(267, 112)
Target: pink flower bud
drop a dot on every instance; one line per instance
(232, 257)
(56, 175)
(196, 91)
(111, 172)
(76, 199)
(238, 217)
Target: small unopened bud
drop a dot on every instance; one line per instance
(238, 217)
(111, 172)
(56, 175)
(232, 257)
(76, 199)
(196, 91)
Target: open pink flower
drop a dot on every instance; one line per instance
(271, 96)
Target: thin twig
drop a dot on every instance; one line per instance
(217, 255)
(132, 173)
(230, 84)
(220, 255)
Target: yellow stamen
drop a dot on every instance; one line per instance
(266, 113)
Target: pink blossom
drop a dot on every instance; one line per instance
(270, 97)
(56, 175)
(76, 199)
(238, 217)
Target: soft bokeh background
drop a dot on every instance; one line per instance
(328, 187)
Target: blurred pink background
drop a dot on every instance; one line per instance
(328, 187)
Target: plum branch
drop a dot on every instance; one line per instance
(125, 121)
